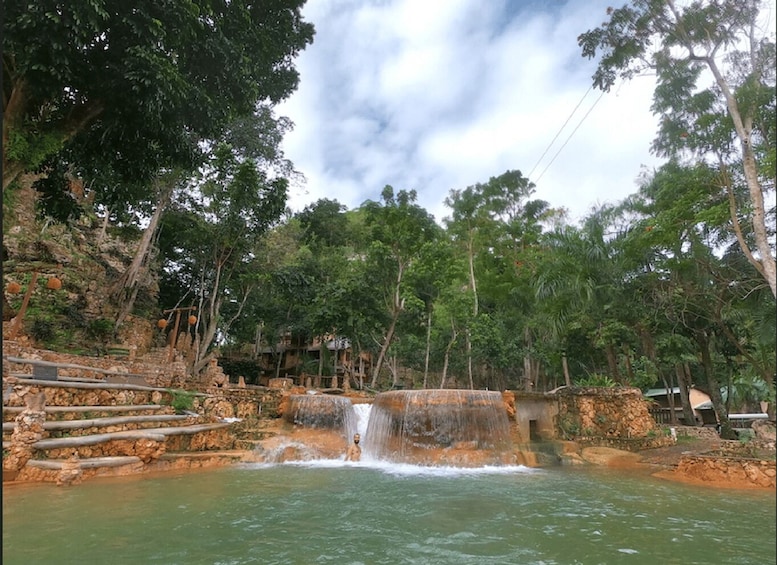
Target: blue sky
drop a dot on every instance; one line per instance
(436, 95)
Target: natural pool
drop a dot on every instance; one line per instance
(380, 513)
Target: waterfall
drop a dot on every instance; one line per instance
(432, 426)
(322, 411)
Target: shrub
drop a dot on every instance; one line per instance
(181, 400)
(597, 380)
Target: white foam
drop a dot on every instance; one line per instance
(408, 469)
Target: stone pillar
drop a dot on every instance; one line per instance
(28, 430)
(70, 473)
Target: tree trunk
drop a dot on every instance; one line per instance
(750, 168)
(258, 341)
(428, 347)
(321, 357)
(685, 398)
(397, 305)
(469, 359)
(104, 227)
(670, 398)
(712, 383)
(612, 362)
(565, 366)
(125, 289)
(454, 333)
(629, 368)
(383, 349)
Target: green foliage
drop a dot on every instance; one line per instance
(30, 148)
(596, 380)
(42, 330)
(181, 400)
(100, 329)
(569, 426)
(130, 89)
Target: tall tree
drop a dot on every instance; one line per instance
(214, 231)
(680, 43)
(139, 84)
(399, 230)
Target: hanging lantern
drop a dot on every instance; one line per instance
(54, 283)
(161, 324)
(192, 320)
(13, 288)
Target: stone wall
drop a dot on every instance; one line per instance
(153, 373)
(540, 408)
(598, 412)
(722, 470)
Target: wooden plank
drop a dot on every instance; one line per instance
(94, 439)
(80, 380)
(101, 422)
(41, 363)
(87, 463)
(101, 386)
(98, 385)
(191, 429)
(60, 378)
(60, 409)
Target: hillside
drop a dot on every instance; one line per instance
(88, 256)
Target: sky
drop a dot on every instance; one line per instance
(435, 95)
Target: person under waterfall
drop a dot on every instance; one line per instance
(354, 452)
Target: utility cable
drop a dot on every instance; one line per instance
(568, 138)
(558, 133)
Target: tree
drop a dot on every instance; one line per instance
(139, 84)
(209, 238)
(399, 230)
(680, 44)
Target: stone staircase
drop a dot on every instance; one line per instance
(57, 427)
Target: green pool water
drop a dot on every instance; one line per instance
(332, 512)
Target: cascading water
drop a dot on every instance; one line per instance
(450, 427)
(322, 411)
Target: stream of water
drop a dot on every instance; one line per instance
(381, 513)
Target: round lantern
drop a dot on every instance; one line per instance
(192, 320)
(161, 324)
(13, 288)
(54, 283)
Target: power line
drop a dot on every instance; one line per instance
(559, 132)
(570, 137)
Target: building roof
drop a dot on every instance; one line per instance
(650, 393)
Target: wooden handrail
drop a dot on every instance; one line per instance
(41, 363)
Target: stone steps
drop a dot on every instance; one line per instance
(115, 425)
(156, 434)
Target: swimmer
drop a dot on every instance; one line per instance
(354, 452)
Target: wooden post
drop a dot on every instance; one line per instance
(174, 337)
(17, 324)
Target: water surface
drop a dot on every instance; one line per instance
(379, 513)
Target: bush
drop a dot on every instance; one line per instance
(596, 380)
(181, 400)
(100, 329)
(42, 330)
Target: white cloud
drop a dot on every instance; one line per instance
(443, 94)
